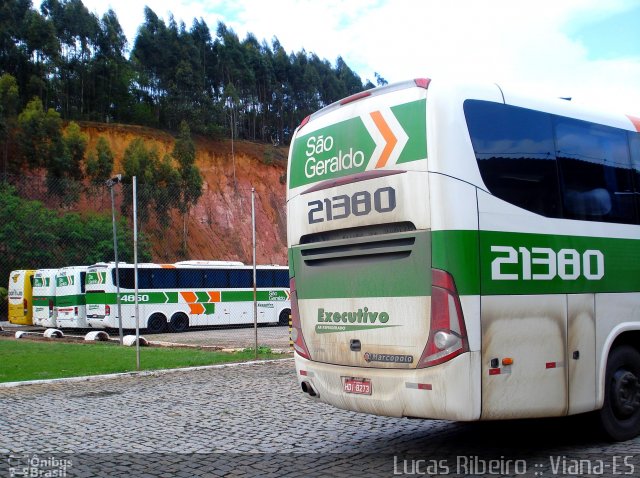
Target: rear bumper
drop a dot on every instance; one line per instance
(450, 391)
(72, 322)
(97, 322)
(44, 321)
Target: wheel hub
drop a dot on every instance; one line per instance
(626, 393)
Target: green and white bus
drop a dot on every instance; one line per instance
(44, 297)
(70, 303)
(188, 293)
(465, 252)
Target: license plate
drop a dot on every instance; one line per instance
(360, 386)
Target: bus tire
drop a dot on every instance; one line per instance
(620, 414)
(283, 318)
(156, 324)
(179, 322)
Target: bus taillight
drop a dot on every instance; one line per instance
(299, 344)
(75, 311)
(422, 82)
(448, 334)
(25, 306)
(107, 310)
(50, 306)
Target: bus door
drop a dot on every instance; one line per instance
(524, 324)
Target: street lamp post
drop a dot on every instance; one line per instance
(110, 184)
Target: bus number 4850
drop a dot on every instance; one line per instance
(132, 298)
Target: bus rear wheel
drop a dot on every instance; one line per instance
(156, 324)
(283, 319)
(179, 322)
(620, 415)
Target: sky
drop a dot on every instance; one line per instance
(588, 50)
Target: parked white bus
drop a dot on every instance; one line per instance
(464, 252)
(44, 297)
(70, 303)
(188, 293)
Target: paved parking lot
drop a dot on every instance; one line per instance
(276, 337)
(251, 420)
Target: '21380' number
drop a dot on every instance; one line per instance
(358, 204)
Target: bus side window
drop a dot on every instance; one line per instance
(264, 278)
(595, 171)
(191, 278)
(164, 278)
(240, 278)
(216, 279)
(126, 277)
(281, 278)
(515, 154)
(144, 278)
(634, 146)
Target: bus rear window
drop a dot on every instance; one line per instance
(516, 155)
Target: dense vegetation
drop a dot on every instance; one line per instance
(34, 236)
(61, 65)
(80, 66)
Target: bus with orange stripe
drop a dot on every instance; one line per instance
(177, 296)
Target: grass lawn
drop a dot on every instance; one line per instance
(34, 360)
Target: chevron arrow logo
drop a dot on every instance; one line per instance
(389, 136)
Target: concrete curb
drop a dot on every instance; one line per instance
(143, 373)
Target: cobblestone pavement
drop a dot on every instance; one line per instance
(251, 420)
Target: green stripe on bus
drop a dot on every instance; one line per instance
(413, 119)
(96, 298)
(390, 272)
(481, 262)
(42, 300)
(70, 300)
(497, 263)
(347, 147)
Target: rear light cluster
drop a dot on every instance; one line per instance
(299, 344)
(25, 306)
(107, 310)
(448, 335)
(50, 306)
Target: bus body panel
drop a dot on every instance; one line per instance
(590, 317)
(546, 288)
(362, 240)
(530, 330)
(202, 306)
(581, 339)
(385, 200)
(70, 307)
(567, 109)
(446, 119)
(20, 297)
(454, 220)
(44, 296)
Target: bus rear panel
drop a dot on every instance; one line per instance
(376, 328)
